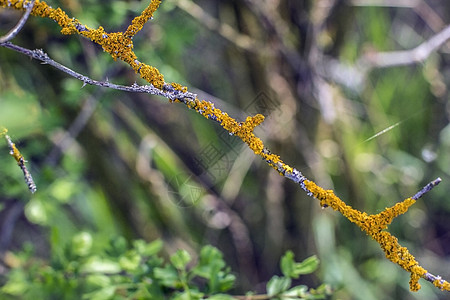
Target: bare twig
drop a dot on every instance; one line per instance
(13, 32)
(408, 57)
(226, 31)
(427, 188)
(67, 139)
(429, 16)
(353, 77)
(386, 3)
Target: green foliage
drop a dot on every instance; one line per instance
(292, 269)
(138, 272)
(281, 287)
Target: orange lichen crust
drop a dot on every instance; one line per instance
(120, 46)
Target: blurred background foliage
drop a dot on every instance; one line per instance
(116, 164)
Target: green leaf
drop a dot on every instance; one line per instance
(210, 262)
(98, 281)
(82, 243)
(17, 283)
(188, 295)
(224, 282)
(307, 266)
(148, 249)
(321, 292)
(288, 264)
(100, 265)
(118, 246)
(292, 269)
(180, 259)
(130, 261)
(302, 292)
(102, 294)
(168, 276)
(277, 285)
(212, 267)
(299, 291)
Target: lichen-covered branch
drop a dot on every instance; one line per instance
(375, 225)
(14, 152)
(120, 46)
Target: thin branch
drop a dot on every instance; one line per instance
(408, 57)
(13, 32)
(353, 77)
(386, 3)
(436, 280)
(168, 91)
(21, 163)
(427, 188)
(226, 31)
(428, 276)
(67, 139)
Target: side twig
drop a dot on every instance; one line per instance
(226, 31)
(168, 91)
(20, 162)
(427, 188)
(14, 31)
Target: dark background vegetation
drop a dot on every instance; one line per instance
(118, 164)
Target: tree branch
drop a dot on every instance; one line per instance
(386, 3)
(407, 57)
(427, 188)
(120, 46)
(14, 152)
(168, 91)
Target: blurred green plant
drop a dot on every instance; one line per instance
(118, 271)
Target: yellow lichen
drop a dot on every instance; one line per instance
(375, 225)
(288, 169)
(4, 131)
(442, 284)
(152, 75)
(16, 153)
(139, 22)
(179, 87)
